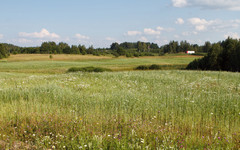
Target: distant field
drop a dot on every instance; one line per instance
(38, 63)
(57, 57)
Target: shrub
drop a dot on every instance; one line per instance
(154, 67)
(136, 55)
(129, 55)
(142, 67)
(116, 54)
(88, 69)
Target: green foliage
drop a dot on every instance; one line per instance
(142, 67)
(3, 52)
(161, 67)
(48, 48)
(88, 69)
(136, 54)
(152, 67)
(129, 55)
(115, 54)
(114, 46)
(221, 56)
(142, 48)
(155, 67)
(121, 51)
(75, 50)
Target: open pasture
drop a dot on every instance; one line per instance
(166, 109)
(38, 63)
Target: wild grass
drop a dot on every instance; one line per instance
(120, 110)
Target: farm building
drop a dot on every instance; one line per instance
(190, 52)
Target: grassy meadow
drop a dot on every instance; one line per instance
(40, 63)
(43, 107)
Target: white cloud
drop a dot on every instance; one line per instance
(210, 4)
(176, 36)
(196, 21)
(186, 33)
(1, 36)
(213, 25)
(23, 40)
(143, 39)
(160, 28)
(179, 21)
(133, 33)
(202, 24)
(44, 33)
(179, 3)
(110, 39)
(150, 31)
(232, 35)
(189, 33)
(81, 37)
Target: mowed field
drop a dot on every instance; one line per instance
(43, 107)
(40, 63)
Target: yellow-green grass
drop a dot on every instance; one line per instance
(55, 57)
(41, 63)
(120, 110)
(43, 107)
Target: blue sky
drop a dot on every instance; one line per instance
(101, 22)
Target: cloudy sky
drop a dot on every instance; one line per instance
(101, 22)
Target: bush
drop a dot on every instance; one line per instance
(129, 55)
(154, 67)
(116, 54)
(15, 52)
(161, 67)
(142, 67)
(136, 55)
(88, 69)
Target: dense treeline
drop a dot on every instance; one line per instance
(3, 51)
(223, 55)
(128, 49)
(172, 47)
(53, 48)
(183, 46)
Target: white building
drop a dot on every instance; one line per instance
(190, 52)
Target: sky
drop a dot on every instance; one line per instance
(102, 22)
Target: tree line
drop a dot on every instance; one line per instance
(223, 55)
(3, 51)
(183, 46)
(128, 49)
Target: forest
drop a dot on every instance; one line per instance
(125, 48)
(223, 55)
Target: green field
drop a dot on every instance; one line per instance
(43, 107)
(61, 63)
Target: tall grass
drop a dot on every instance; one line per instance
(120, 110)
